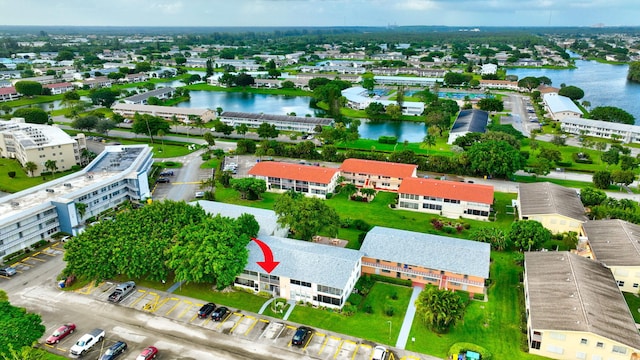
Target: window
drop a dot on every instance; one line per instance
(581, 355)
(599, 344)
(619, 349)
(555, 349)
(583, 341)
(620, 283)
(635, 285)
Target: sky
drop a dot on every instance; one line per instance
(463, 13)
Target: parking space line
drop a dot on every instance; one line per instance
(87, 289)
(355, 351)
(255, 321)
(237, 322)
(196, 314)
(144, 294)
(173, 307)
(152, 305)
(225, 320)
(189, 305)
(206, 321)
(335, 355)
(34, 258)
(407, 357)
(324, 343)
(308, 342)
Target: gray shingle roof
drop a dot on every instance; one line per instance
(427, 250)
(267, 219)
(148, 94)
(307, 261)
(568, 292)
(548, 198)
(471, 121)
(614, 242)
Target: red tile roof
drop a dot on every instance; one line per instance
(382, 168)
(8, 90)
(447, 189)
(58, 85)
(290, 171)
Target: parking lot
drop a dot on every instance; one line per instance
(248, 326)
(35, 259)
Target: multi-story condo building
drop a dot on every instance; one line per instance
(160, 93)
(38, 144)
(446, 262)
(314, 181)
(358, 98)
(379, 175)
(575, 310)
(281, 122)
(556, 207)
(560, 107)
(165, 112)
(448, 198)
(118, 174)
(602, 129)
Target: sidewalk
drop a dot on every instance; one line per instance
(401, 343)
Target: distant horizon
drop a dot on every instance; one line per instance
(322, 13)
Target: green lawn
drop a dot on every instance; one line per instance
(374, 326)
(21, 181)
(633, 301)
(234, 299)
(440, 148)
(494, 325)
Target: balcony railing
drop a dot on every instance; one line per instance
(430, 275)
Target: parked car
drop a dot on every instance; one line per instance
(380, 353)
(61, 333)
(8, 271)
(163, 180)
(167, 173)
(148, 353)
(301, 335)
(86, 342)
(220, 313)
(121, 291)
(199, 194)
(206, 310)
(114, 351)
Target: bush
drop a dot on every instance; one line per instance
(206, 157)
(478, 296)
(329, 196)
(361, 225)
(11, 174)
(389, 310)
(355, 299)
(367, 308)
(394, 295)
(76, 168)
(388, 140)
(449, 229)
(390, 280)
(169, 163)
(349, 310)
(582, 158)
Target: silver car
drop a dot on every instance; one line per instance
(8, 271)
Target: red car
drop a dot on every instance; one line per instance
(61, 333)
(149, 353)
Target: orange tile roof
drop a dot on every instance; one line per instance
(382, 168)
(290, 171)
(448, 189)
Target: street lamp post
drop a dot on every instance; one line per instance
(389, 321)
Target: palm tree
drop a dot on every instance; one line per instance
(161, 135)
(51, 165)
(429, 140)
(349, 189)
(30, 166)
(368, 192)
(82, 209)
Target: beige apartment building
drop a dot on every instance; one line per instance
(38, 144)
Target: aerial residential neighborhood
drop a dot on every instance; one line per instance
(317, 192)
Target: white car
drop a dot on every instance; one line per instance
(199, 194)
(380, 353)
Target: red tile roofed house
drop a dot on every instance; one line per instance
(8, 94)
(59, 88)
(313, 181)
(447, 198)
(376, 174)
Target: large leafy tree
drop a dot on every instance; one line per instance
(305, 216)
(494, 158)
(104, 97)
(572, 92)
(149, 125)
(266, 130)
(633, 73)
(591, 196)
(32, 115)
(85, 123)
(612, 114)
(249, 188)
(212, 251)
(527, 235)
(28, 88)
(601, 179)
(491, 104)
(18, 328)
(529, 83)
(440, 309)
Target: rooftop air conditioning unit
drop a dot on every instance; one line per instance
(67, 185)
(15, 204)
(50, 190)
(89, 176)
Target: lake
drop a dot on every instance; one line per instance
(603, 84)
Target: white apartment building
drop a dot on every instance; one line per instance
(601, 129)
(118, 174)
(281, 122)
(38, 144)
(165, 112)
